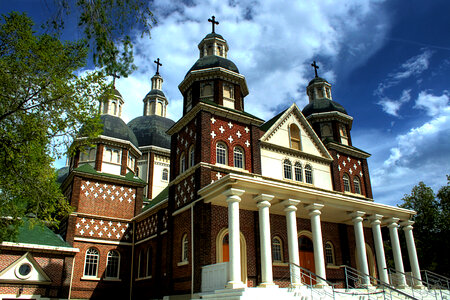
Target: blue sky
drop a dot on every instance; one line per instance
(388, 63)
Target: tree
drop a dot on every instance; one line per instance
(432, 226)
(43, 105)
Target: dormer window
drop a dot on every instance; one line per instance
(206, 89)
(294, 133)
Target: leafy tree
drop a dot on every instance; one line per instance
(106, 25)
(432, 226)
(43, 104)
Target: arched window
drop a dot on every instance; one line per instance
(149, 262)
(184, 248)
(191, 156)
(238, 157)
(329, 254)
(294, 133)
(346, 181)
(182, 162)
(298, 171)
(91, 262)
(287, 166)
(357, 185)
(112, 264)
(308, 174)
(221, 153)
(277, 249)
(165, 175)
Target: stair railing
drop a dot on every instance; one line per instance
(434, 279)
(315, 283)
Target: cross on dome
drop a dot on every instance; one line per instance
(315, 66)
(157, 65)
(214, 22)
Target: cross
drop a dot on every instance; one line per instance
(214, 22)
(157, 65)
(114, 76)
(315, 67)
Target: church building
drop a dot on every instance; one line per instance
(218, 204)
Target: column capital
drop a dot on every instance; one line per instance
(263, 197)
(233, 192)
(314, 209)
(375, 219)
(264, 203)
(290, 204)
(407, 225)
(357, 216)
(392, 222)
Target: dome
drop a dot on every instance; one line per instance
(213, 35)
(212, 61)
(322, 105)
(151, 130)
(61, 174)
(115, 127)
(317, 80)
(156, 92)
(117, 93)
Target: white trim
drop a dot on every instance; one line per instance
(39, 247)
(78, 239)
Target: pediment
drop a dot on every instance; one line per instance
(24, 270)
(278, 133)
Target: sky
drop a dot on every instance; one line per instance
(388, 63)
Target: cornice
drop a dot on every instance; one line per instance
(296, 153)
(347, 150)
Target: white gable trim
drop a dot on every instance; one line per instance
(36, 274)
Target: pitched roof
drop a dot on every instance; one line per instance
(268, 124)
(158, 199)
(39, 234)
(87, 168)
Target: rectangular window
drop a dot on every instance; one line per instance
(112, 155)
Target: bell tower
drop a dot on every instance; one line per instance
(155, 102)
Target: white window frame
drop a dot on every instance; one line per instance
(185, 248)
(298, 172)
(109, 159)
(277, 249)
(182, 162)
(309, 178)
(191, 156)
(221, 153)
(330, 258)
(357, 185)
(287, 169)
(109, 260)
(88, 154)
(94, 259)
(346, 181)
(165, 174)
(238, 157)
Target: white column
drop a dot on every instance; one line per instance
(319, 258)
(393, 231)
(412, 253)
(234, 265)
(291, 221)
(265, 241)
(375, 222)
(357, 219)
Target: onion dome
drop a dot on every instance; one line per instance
(151, 130)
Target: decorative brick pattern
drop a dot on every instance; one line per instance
(185, 191)
(103, 229)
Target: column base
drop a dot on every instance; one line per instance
(295, 285)
(419, 286)
(268, 285)
(235, 285)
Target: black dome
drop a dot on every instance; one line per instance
(213, 35)
(212, 61)
(322, 105)
(156, 92)
(115, 127)
(317, 79)
(151, 130)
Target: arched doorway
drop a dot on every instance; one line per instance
(306, 255)
(223, 251)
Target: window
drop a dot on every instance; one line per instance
(88, 154)
(112, 155)
(112, 264)
(294, 133)
(191, 156)
(165, 175)
(189, 100)
(308, 174)
(343, 134)
(325, 130)
(228, 91)
(319, 93)
(91, 262)
(206, 89)
(298, 171)
(182, 162)
(238, 155)
(287, 166)
(329, 253)
(357, 185)
(221, 153)
(277, 249)
(141, 264)
(184, 248)
(328, 92)
(346, 183)
(149, 262)
(131, 162)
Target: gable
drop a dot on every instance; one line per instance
(278, 133)
(24, 270)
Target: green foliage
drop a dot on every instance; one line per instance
(106, 25)
(43, 104)
(432, 226)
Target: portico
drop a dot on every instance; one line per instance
(297, 203)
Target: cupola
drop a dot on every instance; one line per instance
(112, 104)
(155, 102)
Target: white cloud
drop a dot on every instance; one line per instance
(391, 106)
(413, 66)
(433, 105)
(271, 42)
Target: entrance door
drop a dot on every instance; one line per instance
(226, 255)
(306, 253)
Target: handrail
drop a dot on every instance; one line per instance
(439, 279)
(379, 282)
(408, 275)
(311, 273)
(313, 276)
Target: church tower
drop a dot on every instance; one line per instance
(332, 124)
